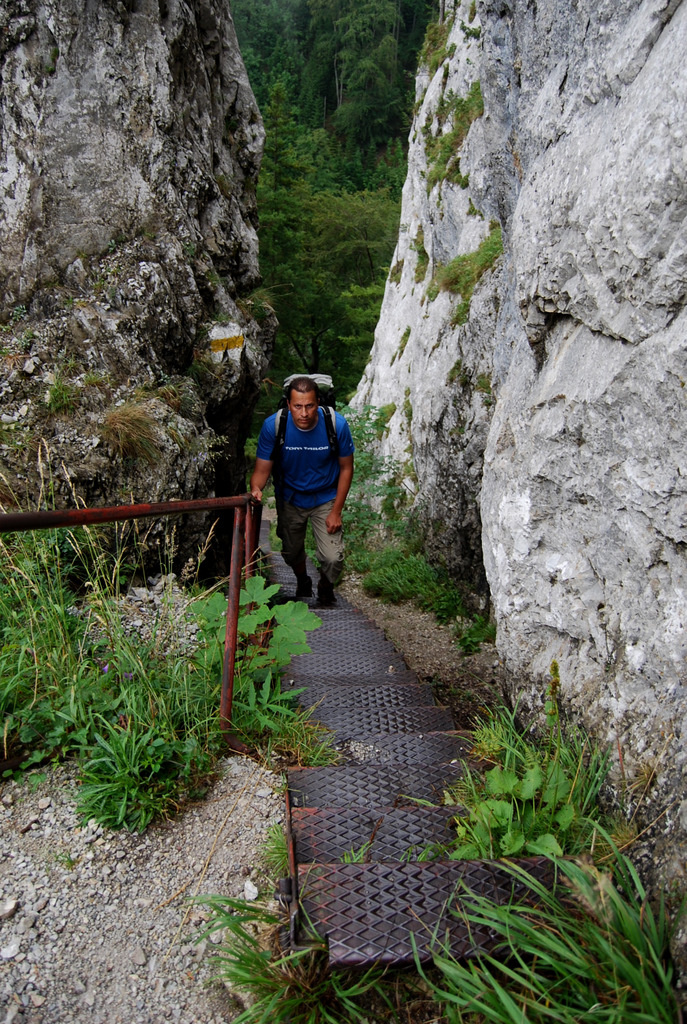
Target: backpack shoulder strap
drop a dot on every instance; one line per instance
(330, 423)
(279, 433)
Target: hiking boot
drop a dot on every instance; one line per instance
(303, 586)
(325, 591)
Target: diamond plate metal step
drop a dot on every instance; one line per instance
(350, 722)
(392, 833)
(407, 748)
(365, 674)
(367, 913)
(370, 785)
(370, 695)
(349, 657)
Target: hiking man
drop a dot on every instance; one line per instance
(312, 473)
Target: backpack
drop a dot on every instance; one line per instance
(325, 392)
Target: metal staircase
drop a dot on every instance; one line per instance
(357, 830)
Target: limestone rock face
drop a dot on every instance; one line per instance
(574, 469)
(129, 154)
(433, 375)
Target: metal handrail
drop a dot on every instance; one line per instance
(247, 515)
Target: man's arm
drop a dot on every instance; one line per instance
(259, 477)
(344, 486)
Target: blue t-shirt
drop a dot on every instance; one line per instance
(309, 469)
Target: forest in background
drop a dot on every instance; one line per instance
(334, 80)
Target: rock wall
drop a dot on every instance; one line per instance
(547, 431)
(434, 376)
(132, 349)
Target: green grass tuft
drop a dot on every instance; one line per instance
(462, 273)
(395, 576)
(443, 149)
(593, 950)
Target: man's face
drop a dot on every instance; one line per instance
(303, 407)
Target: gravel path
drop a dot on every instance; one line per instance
(96, 926)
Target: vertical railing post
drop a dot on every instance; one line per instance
(231, 633)
(253, 518)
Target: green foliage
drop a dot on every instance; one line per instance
(478, 632)
(443, 148)
(395, 575)
(418, 246)
(63, 396)
(470, 32)
(433, 51)
(296, 987)
(483, 384)
(374, 484)
(407, 407)
(326, 242)
(357, 855)
(275, 853)
(385, 414)
(347, 66)
(268, 639)
(462, 273)
(458, 373)
(600, 953)
(134, 773)
(537, 799)
(396, 272)
(140, 715)
(403, 342)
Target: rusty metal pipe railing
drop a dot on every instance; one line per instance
(247, 515)
(13, 521)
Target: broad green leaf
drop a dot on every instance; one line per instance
(497, 812)
(255, 591)
(565, 817)
(500, 781)
(248, 624)
(545, 846)
(529, 784)
(557, 785)
(481, 835)
(466, 851)
(512, 843)
(285, 643)
(298, 614)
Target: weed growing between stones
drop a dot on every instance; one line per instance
(132, 433)
(443, 148)
(63, 396)
(138, 711)
(462, 273)
(275, 853)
